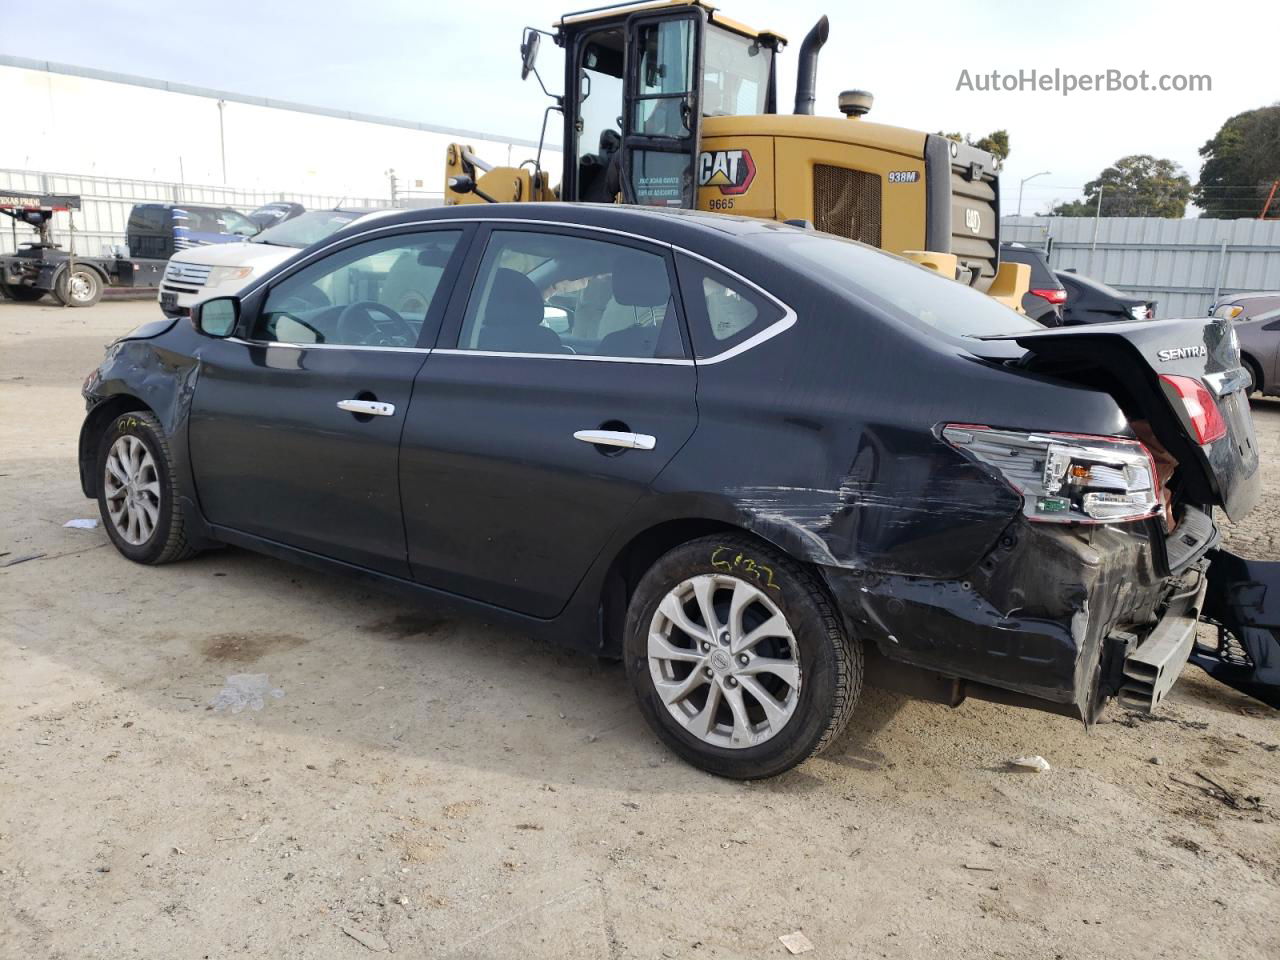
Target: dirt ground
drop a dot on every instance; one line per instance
(439, 788)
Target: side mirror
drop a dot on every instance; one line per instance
(217, 317)
(529, 52)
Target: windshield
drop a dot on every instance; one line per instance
(735, 74)
(306, 228)
(213, 220)
(899, 287)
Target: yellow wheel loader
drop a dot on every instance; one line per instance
(671, 104)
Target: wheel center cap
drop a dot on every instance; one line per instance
(721, 662)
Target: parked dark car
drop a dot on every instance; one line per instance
(1043, 301)
(688, 441)
(1091, 301)
(1259, 336)
(271, 214)
(1244, 306)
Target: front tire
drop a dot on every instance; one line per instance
(737, 658)
(81, 288)
(1255, 377)
(138, 491)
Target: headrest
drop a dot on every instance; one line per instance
(640, 280)
(610, 140)
(514, 301)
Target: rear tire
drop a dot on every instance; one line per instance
(703, 691)
(81, 288)
(138, 491)
(23, 294)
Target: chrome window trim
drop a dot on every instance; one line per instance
(324, 346)
(670, 362)
(783, 324)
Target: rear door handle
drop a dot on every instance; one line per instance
(616, 438)
(370, 408)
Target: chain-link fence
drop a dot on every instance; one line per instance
(100, 225)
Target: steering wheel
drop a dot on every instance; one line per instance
(356, 325)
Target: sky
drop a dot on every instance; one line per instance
(457, 64)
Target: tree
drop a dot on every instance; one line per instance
(1139, 185)
(1073, 208)
(1240, 164)
(995, 143)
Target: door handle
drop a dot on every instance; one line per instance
(369, 408)
(616, 438)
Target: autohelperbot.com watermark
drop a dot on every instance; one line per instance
(1066, 82)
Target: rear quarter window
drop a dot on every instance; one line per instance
(722, 311)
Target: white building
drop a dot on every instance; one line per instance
(172, 141)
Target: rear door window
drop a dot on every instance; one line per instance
(567, 295)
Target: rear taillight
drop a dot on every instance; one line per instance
(1063, 477)
(1053, 296)
(1202, 409)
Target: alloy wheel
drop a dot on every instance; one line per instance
(724, 661)
(132, 487)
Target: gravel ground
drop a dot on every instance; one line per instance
(440, 788)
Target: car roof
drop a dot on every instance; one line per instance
(1237, 297)
(1041, 273)
(655, 221)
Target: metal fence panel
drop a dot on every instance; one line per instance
(1183, 264)
(100, 225)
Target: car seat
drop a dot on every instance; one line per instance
(513, 317)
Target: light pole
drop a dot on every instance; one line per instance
(222, 143)
(1022, 183)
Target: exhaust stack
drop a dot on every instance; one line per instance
(807, 78)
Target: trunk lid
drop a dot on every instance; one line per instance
(1128, 358)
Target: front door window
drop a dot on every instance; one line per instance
(374, 294)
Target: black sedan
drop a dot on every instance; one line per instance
(1091, 301)
(757, 463)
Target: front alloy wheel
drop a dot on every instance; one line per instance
(131, 485)
(137, 492)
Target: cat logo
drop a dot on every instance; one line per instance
(730, 170)
(973, 219)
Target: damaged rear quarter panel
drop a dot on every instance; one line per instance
(831, 451)
(832, 455)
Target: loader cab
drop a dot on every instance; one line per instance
(638, 83)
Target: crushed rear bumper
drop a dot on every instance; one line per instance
(1062, 619)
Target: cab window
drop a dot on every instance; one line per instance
(735, 74)
(561, 295)
(666, 79)
(379, 293)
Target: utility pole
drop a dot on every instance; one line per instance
(1270, 196)
(222, 140)
(1022, 183)
(1097, 215)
